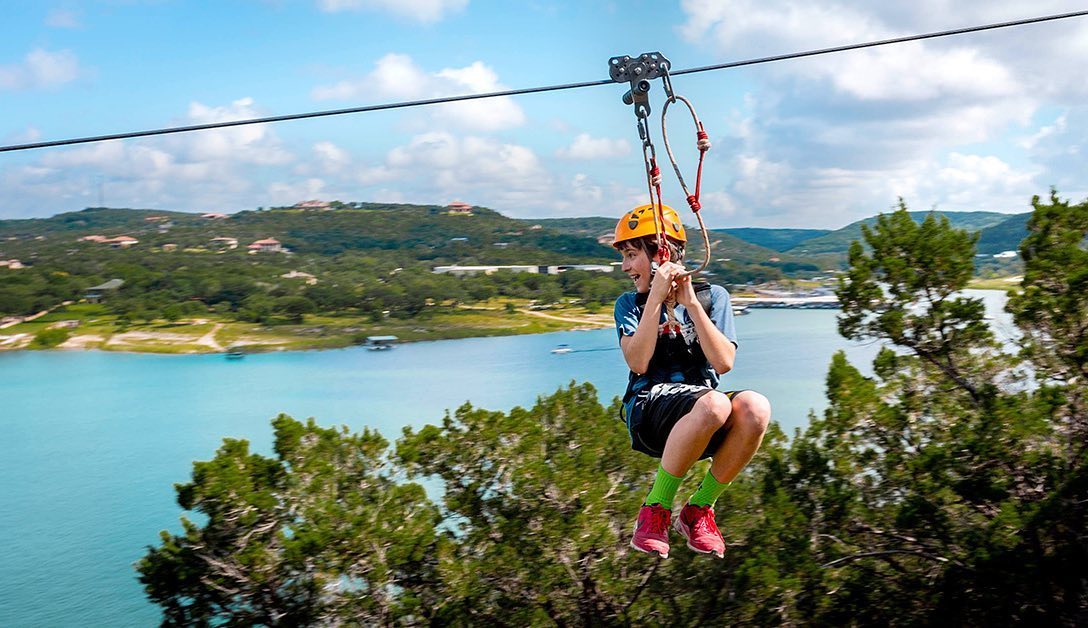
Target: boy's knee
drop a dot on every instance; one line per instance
(753, 410)
(714, 409)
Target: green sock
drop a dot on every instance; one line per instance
(708, 492)
(664, 490)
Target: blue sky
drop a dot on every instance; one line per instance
(978, 122)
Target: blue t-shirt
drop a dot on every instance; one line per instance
(680, 359)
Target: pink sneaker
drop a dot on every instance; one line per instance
(652, 530)
(696, 524)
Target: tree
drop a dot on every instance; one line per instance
(318, 534)
(295, 308)
(948, 487)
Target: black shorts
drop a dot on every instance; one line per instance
(652, 414)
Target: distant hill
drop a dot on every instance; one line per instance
(838, 241)
(775, 239)
(723, 244)
(90, 220)
(405, 232)
(1005, 235)
(589, 226)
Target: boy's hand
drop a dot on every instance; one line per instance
(685, 293)
(662, 283)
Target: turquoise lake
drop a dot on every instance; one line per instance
(93, 442)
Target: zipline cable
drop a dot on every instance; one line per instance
(529, 90)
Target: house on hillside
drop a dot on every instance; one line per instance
(93, 238)
(267, 245)
(314, 204)
(211, 216)
(298, 274)
(13, 264)
(1005, 255)
(122, 242)
(156, 218)
(224, 243)
(461, 271)
(606, 238)
(95, 294)
(457, 208)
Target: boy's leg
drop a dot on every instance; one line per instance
(749, 416)
(658, 414)
(689, 437)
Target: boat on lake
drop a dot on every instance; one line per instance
(381, 343)
(235, 352)
(562, 349)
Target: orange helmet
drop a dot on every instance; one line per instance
(639, 222)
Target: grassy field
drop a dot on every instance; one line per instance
(996, 283)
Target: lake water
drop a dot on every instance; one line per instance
(93, 442)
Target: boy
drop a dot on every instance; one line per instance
(671, 407)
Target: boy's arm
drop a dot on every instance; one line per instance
(639, 348)
(717, 347)
(719, 350)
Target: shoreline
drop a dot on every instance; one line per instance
(199, 336)
(319, 333)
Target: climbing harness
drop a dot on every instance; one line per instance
(638, 73)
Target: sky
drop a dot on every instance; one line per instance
(975, 122)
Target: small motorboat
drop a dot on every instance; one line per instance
(381, 343)
(562, 349)
(235, 352)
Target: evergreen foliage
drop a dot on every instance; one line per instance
(948, 488)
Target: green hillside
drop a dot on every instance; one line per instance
(723, 244)
(90, 220)
(839, 241)
(400, 232)
(775, 239)
(1005, 235)
(589, 226)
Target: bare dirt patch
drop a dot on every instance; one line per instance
(86, 341)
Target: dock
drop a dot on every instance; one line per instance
(828, 302)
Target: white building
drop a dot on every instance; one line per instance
(267, 245)
(521, 268)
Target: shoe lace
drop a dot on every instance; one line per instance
(659, 519)
(704, 520)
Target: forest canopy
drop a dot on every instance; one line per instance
(950, 487)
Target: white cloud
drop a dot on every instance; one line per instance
(191, 171)
(438, 166)
(397, 77)
(279, 194)
(40, 69)
(63, 18)
(425, 11)
(28, 135)
(376, 174)
(827, 140)
(586, 146)
(331, 156)
(253, 143)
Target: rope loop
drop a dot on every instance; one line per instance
(703, 144)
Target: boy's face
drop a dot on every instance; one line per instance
(636, 263)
